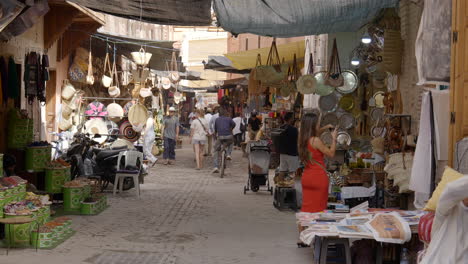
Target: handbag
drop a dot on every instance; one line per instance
(107, 80)
(204, 128)
(333, 77)
(89, 76)
(174, 73)
(273, 71)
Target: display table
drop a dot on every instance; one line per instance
(384, 226)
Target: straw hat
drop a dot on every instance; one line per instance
(122, 143)
(137, 116)
(97, 126)
(115, 112)
(306, 84)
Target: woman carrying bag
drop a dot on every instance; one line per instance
(198, 136)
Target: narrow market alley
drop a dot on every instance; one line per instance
(183, 216)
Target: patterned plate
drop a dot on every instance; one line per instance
(326, 138)
(350, 82)
(328, 103)
(321, 88)
(377, 113)
(343, 139)
(329, 119)
(346, 121)
(347, 103)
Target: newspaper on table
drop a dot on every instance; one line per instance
(307, 236)
(389, 228)
(353, 231)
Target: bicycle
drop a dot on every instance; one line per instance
(225, 143)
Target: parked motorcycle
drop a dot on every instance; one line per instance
(89, 160)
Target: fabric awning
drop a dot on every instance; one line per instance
(222, 64)
(166, 12)
(290, 18)
(247, 59)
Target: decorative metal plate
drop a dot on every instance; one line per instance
(328, 103)
(379, 99)
(346, 121)
(326, 138)
(321, 88)
(346, 103)
(330, 119)
(377, 113)
(343, 139)
(351, 82)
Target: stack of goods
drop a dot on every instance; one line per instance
(398, 168)
(94, 204)
(38, 155)
(20, 129)
(34, 206)
(12, 189)
(75, 192)
(57, 173)
(52, 233)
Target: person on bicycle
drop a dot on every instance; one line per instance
(223, 127)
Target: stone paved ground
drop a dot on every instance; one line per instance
(184, 216)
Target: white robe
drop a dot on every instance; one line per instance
(449, 244)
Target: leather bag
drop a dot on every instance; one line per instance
(333, 77)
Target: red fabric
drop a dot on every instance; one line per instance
(314, 184)
(425, 227)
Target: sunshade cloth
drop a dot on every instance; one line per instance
(289, 18)
(168, 12)
(222, 64)
(248, 59)
(161, 50)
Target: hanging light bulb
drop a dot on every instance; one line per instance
(366, 39)
(355, 61)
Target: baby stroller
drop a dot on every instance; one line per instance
(259, 161)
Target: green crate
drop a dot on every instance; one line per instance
(86, 191)
(72, 198)
(17, 235)
(37, 158)
(55, 178)
(42, 240)
(89, 208)
(20, 133)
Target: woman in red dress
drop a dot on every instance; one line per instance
(311, 152)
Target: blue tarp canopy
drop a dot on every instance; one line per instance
(290, 18)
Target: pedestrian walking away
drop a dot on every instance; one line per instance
(170, 136)
(198, 136)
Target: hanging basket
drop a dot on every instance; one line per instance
(141, 57)
(274, 71)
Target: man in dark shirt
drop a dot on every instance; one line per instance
(223, 127)
(289, 155)
(254, 125)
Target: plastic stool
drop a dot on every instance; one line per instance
(328, 241)
(285, 198)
